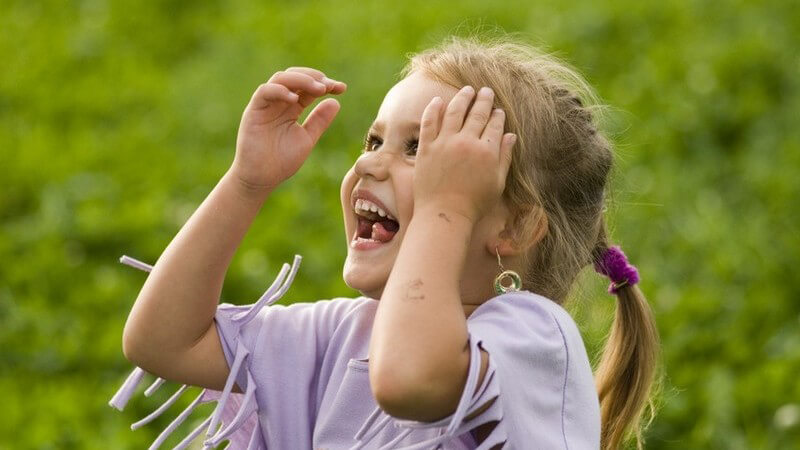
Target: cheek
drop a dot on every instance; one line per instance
(348, 183)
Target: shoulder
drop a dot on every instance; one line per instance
(334, 309)
(313, 322)
(344, 309)
(331, 317)
(337, 311)
(521, 310)
(340, 307)
(542, 368)
(525, 325)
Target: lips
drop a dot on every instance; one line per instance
(367, 195)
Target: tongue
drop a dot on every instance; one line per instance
(381, 233)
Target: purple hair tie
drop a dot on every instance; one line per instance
(615, 266)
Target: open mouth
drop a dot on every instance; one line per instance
(375, 226)
(381, 229)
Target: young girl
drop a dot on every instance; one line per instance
(482, 174)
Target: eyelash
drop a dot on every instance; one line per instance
(372, 139)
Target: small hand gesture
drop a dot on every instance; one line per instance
(271, 146)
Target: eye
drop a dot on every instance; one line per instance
(411, 145)
(372, 142)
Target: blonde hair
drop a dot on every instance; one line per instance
(557, 182)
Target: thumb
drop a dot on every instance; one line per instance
(320, 118)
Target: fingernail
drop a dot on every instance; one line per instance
(467, 88)
(513, 139)
(486, 90)
(293, 97)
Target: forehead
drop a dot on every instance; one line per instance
(404, 103)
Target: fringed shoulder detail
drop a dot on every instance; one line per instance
(454, 425)
(234, 418)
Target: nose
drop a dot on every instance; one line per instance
(374, 164)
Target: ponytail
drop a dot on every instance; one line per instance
(627, 368)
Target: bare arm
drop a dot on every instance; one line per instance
(176, 306)
(419, 355)
(419, 338)
(170, 331)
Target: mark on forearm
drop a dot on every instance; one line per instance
(444, 216)
(414, 291)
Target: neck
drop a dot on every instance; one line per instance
(478, 287)
(477, 293)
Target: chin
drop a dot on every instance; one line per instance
(366, 280)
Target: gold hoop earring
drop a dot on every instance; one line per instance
(516, 281)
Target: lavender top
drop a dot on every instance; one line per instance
(304, 372)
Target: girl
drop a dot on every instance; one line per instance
(483, 163)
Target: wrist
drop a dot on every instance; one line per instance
(246, 190)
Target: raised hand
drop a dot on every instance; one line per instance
(271, 145)
(463, 159)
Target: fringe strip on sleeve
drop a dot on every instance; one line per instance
(455, 423)
(233, 418)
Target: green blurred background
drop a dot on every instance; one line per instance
(118, 117)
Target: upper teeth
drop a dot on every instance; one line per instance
(363, 205)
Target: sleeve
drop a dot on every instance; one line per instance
(473, 398)
(533, 371)
(239, 326)
(280, 341)
(526, 376)
(282, 348)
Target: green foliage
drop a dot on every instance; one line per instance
(118, 117)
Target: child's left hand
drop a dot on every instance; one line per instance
(462, 159)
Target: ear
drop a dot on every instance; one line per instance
(515, 235)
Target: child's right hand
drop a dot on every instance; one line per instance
(271, 145)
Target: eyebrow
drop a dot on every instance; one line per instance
(379, 126)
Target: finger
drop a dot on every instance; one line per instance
(320, 118)
(301, 83)
(454, 114)
(333, 86)
(506, 150)
(480, 113)
(271, 92)
(316, 74)
(494, 129)
(297, 81)
(429, 124)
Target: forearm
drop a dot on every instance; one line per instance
(420, 330)
(177, 303)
